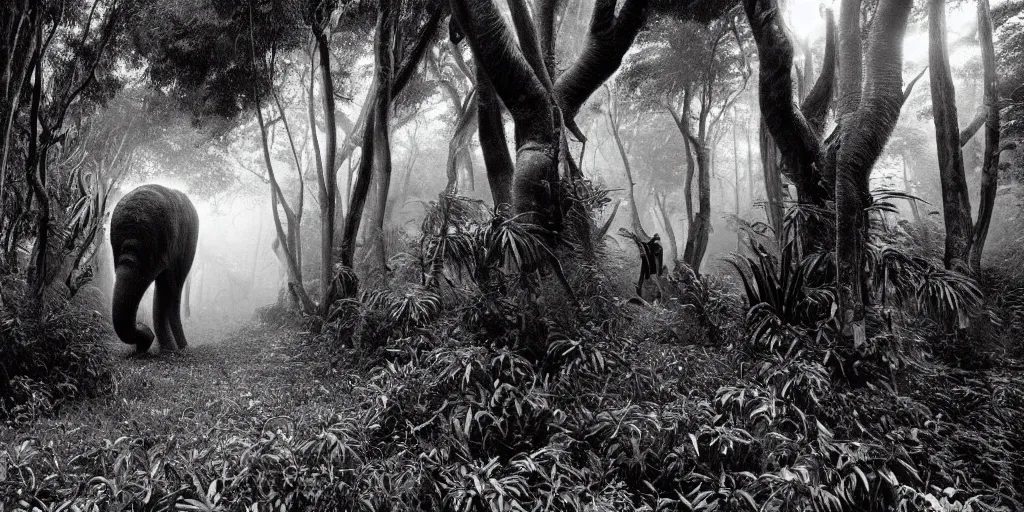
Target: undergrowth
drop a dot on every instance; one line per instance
(49, 359)
(487, 385)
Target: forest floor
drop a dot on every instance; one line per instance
(236, 377)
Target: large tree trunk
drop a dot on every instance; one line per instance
(801, 148)
(536, 172)
(862, 140)
(956, 202)
(990, 167)
(608, 39)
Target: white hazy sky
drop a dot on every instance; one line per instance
(805, 20)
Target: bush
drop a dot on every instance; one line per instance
(46, 361)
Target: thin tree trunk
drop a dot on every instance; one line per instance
(20, 51)
(382, 146)
(35, 168)
(990, 167)
(634, 209)
(670, 234)
(956, 203)
(774, 206)
(750, 164)
(700, 228)
(464, 127)
(914, 210)
(329, 197)
(736, 175)
(493, 142)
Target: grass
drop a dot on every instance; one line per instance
(235, 384)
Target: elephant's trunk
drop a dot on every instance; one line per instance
(128, 291)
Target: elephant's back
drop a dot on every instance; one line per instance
(150, 222)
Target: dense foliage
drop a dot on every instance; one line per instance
(505, 396)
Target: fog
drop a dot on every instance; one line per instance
(236, 271)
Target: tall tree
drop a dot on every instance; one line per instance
(866, 118)
(524, 77)
(990, 165)
(956, 201)
(697, 71)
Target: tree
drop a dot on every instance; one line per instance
(956, 201)
(990, 166)
(697, 72)
(867, 112)
(524, 77)
(57, 61)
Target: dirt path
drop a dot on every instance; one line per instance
(233, 378)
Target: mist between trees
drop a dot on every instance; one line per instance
(834, 183)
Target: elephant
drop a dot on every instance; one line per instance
(153, 232)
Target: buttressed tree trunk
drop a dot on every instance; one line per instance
(956, 201)
(515, 82)
(990, 167)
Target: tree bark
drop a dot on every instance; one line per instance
(536, 172)
(670, 234)
(861, 142)
(608, 39)
(382, 144)
(493, 143)
(801, 149)
(990, 167)
(464, 126)
(330, 192)
(851, 58)
(35, 175)
(383, 45)
(956, 202)
(634, 208)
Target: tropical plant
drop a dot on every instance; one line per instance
(783, 305)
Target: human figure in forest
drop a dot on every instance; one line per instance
(651, 260)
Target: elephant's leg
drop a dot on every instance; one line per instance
(163, 303)
(129, 288)
(182, 282)
(174, 314)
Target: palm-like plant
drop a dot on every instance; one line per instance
(409, 309)
(782, 304)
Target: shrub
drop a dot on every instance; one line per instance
(49, 360)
